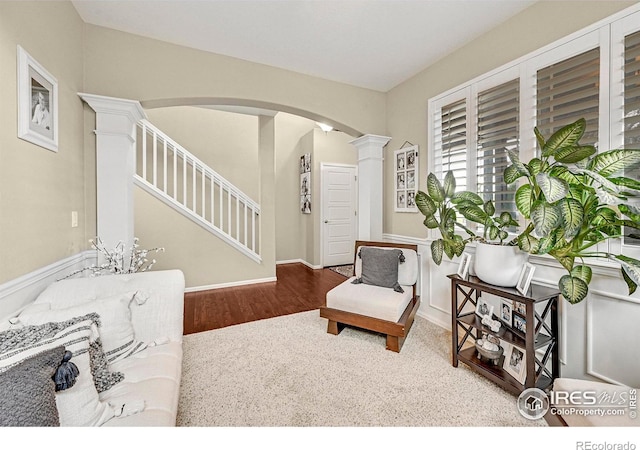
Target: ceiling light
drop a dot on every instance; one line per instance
(324, 127)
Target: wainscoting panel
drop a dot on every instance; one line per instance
(613, 353)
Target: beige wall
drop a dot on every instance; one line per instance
(535, 27)
(149, 70)
(39, 188)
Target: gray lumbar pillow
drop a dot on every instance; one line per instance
(380, 267)
(28, 394)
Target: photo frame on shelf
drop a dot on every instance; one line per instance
(515, 362)
(506, 312)
(37, 103)
(463, 266)
(520, 323)
(520, 308)
(526, 275)
(483, 308)
(406, 178)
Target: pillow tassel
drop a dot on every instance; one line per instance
(66, 374)
(357, 281)
(401, 257)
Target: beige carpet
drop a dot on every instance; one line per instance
(288, 371)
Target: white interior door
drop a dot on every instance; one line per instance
(338, 214)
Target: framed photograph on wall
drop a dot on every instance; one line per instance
(37, 103)
(305, 183)
(406, 178)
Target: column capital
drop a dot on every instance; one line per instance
(131, 109)
(370, 140)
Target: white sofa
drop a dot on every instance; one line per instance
(151, 376)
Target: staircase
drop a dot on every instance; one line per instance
(169, 172)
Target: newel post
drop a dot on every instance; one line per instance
(115, 166)
(370, 185)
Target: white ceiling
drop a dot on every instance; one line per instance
(375, 44)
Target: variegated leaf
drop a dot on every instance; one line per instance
(599, 179)
(553, 188)
(528, 243)
(545, 217)
(573, 289)
(431, 223)
(539, 137)
(535, 166)
(449, 184)
(519, 165)
(466, 196)
(566, 136)
(489, 208)
(613, 161)
(449, 249)
(437, 248)
(631, 212)
(493, 232)
(511, 174)
(631, 266)
(474, 214)
(632, 285)
(583, 272)
(566, 261)
(565, 174)
(425, 204)
(435, 189)
(523, 200)
(572, 216)
(570, 155)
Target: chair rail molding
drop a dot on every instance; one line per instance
(370, 185)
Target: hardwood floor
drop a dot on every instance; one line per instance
(298, 289)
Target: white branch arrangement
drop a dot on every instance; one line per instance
(117, 261)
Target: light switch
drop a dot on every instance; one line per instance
(74, 219)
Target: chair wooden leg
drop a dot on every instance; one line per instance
(393, 343)
(332, 327)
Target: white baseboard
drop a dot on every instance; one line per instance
(442, 324)
(231, 284)
(301, 261)
(18, 292)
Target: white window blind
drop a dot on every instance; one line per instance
(498, 130)
(453, 139)
(568, 91)
(632, 103)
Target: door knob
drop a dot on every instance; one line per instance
(326, 221)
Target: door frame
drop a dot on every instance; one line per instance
(323, 167)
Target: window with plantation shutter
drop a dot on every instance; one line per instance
(497, 131)
(452, 137)
(568, 91)
(632, 104)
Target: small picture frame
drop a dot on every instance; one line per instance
(520, 308)
(463, 266)
(305, 183)
(483, 308)
(37, 103)
(515, 363)
(520, 324)
(526, 275)
(506, 312)
(406, 178)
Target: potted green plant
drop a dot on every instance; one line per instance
(441, 205)
(572, 199)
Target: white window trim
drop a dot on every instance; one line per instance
(607, 34)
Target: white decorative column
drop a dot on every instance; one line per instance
(115, 166)
(267, 161)
(370, 185)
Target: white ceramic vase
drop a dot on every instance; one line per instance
(499, 265)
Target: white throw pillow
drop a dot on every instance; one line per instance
(80, 404)
(116, 330)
